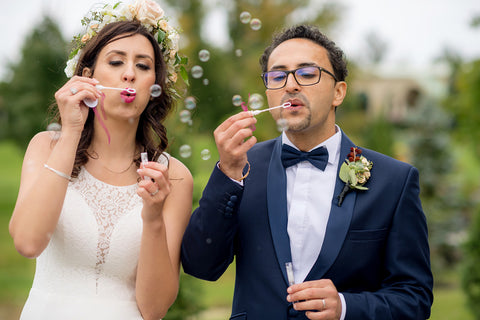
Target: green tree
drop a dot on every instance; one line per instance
(463, 103)
(33, 82)
(234, 69)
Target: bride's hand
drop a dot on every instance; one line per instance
(153, 191)
(73, 111)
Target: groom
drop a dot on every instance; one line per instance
(269, 203)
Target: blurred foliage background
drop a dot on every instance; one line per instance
(438, 133)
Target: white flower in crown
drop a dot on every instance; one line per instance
(151, 15)
(71, 65)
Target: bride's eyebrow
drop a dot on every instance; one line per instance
(124, 54)
(144, 56)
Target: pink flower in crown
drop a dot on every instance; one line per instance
(148, 12)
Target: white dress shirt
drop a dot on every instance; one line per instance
(309, 199)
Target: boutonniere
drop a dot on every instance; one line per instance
(355, 172)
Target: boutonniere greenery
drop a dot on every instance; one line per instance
(355, 172)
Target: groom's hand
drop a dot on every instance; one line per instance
(319, 298)
(234, 137)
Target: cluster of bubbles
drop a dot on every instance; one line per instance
(255, 100)
(246, 17)
(197, 71)
(186, 115)
(185, 151)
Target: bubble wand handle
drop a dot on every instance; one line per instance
(144, 157)
(285, 105)
(289, 268)
(129, 90)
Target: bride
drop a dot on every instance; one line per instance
(105, 227)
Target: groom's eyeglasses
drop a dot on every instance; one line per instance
(305, 76)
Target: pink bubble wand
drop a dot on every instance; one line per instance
(93, 104)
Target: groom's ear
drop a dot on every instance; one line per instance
(340, 93)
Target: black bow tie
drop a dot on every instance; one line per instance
(291, 156)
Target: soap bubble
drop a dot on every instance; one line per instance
(185, 116)
(205, 82)
(255, 101)
(54, 127)
(185, 151)
(55, 130)
(256, 24)
(204, 55)
(237, 100)
(197, 72)
(238, 52)
(205, 154)
(155, 90)
(190, 103)
(282, 124)
(245, 17)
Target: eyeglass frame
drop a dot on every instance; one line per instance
(287, 72)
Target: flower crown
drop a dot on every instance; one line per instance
(151, 15)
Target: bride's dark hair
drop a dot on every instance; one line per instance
(151, 136)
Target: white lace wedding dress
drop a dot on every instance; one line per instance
(88, 269)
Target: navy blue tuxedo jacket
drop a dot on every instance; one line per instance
(375, 249)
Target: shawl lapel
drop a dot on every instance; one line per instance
(338, 221)
(277, 207)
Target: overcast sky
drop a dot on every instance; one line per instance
(416, 31)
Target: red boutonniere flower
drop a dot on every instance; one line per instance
(355, 172)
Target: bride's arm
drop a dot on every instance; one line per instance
(164, 223)
(42, 191)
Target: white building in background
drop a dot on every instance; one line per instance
(393, 96)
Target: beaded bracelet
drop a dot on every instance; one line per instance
(61, 174)
(246, 174)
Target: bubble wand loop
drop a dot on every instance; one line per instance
(285, 105)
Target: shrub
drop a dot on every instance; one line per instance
(471, 271)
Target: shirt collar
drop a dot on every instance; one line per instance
(332, 144)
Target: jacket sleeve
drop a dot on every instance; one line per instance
(406, 291)
(208, 242)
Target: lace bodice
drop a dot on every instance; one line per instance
(89, 265)
(108, 204)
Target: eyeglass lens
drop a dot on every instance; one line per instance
(304, 76)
